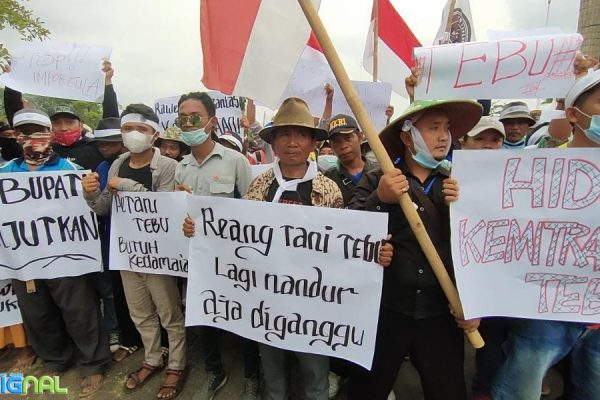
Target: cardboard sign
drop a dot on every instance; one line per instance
(58, 69)
(47, 229)
(10, 314)
(228, 112)
(300, 278)
(145, 233)
(528, 67)
(525, 243)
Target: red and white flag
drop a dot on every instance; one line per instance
(250, 48)
(394, 47)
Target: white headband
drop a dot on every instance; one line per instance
(141, 119)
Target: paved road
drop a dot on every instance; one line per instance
(407, 383)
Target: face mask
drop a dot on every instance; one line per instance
(593, 132)
(137, 142)
(10, 148)
(327, 162)
(37, 148)
(423, 156)
(195, 137)
(68, 138)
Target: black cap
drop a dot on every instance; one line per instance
(4, 126)
(341, 123)
(108, 130)
(63, 110)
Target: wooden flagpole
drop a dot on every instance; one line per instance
(375, 39)
(386, 164)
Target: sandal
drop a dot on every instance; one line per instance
(139, 383)
(123, 352)
(177, 387)
(87, 383)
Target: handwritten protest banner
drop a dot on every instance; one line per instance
(295, 277)
(47, 229)
(10, 313)
(525, 243)
(145, 233)
(58, 69)
(228, 111)
(528, 67)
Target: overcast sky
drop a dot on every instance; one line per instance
(156, 44)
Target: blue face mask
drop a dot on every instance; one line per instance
(423, 156)
(327, 162)
(593, 132)
(195, 137)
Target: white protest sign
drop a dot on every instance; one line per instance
(375, 96)
(47, 229)
(228, 112)
(166, 110)
(10, 314)
(295, 277)
(58, 69)
(525, 234)
(146, 235)
(527, 67)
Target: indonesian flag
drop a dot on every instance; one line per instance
(395, 47)
(251, 47)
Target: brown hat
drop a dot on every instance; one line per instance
(293, 112)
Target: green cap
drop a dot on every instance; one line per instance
(56, 111)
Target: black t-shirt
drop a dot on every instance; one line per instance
(301, 196)
(140, 175)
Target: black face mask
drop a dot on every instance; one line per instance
(10, 149)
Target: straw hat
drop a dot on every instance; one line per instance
(463, 114)
(293, 112)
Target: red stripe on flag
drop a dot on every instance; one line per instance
(225, 28)
(395, 33)
(313, 42)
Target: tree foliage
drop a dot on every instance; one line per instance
(20, 18)
(90, 113)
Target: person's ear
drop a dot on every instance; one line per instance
(572, 115)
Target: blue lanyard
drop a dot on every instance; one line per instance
(430, 185)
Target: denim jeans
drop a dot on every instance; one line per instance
(534, 346)
(314, 369)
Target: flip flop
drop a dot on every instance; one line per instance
(134, 376)
(177, 387)
(94, 389)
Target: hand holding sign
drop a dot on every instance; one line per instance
(90, 183)
(58, 69)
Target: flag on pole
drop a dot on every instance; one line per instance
(461, 25)
(250, 48)
(394, 47)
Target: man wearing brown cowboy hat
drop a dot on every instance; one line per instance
(294, 180)
(414, 316)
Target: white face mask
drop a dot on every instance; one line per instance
(137, 142)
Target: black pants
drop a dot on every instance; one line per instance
(490, 357)
(212, 356)
(63, 323)
(436, 348)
